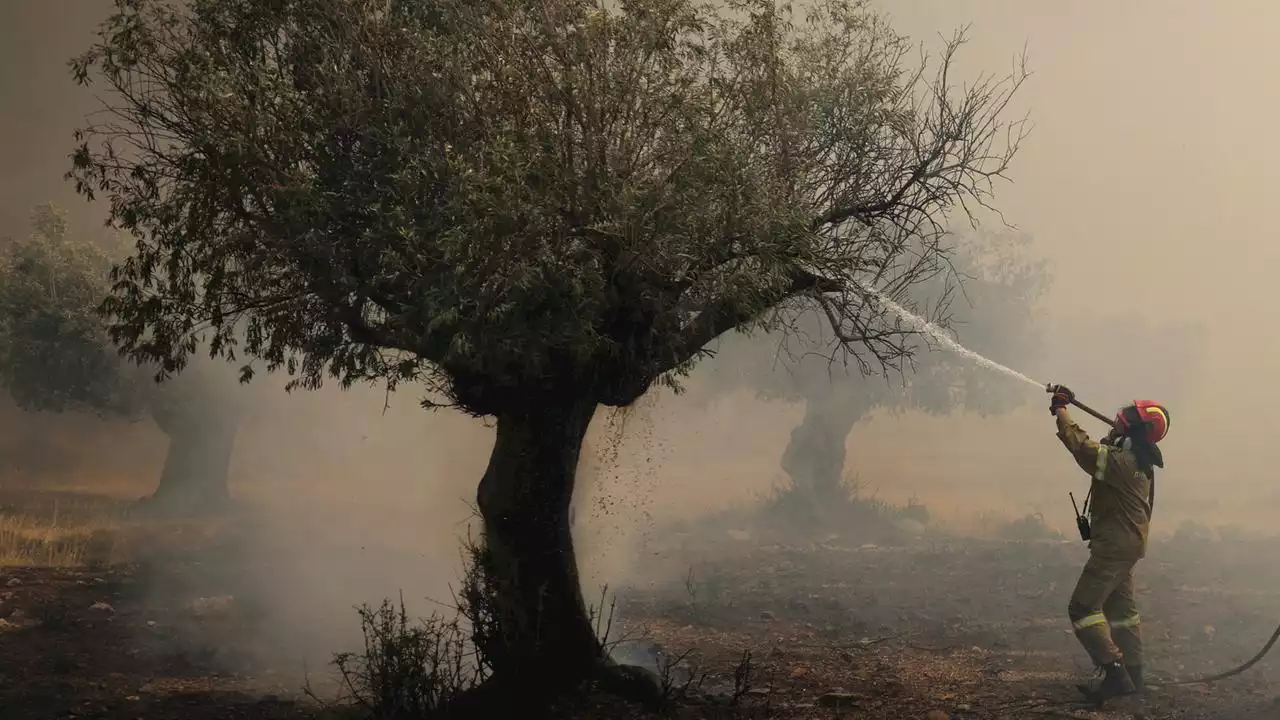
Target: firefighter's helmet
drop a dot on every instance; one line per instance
(1146, 414)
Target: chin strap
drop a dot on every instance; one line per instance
(1124, 442)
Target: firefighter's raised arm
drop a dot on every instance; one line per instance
(1082, 447)
(1077, 441)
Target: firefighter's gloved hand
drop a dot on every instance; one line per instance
(1061, 397)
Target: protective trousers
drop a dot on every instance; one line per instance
(1104, 612)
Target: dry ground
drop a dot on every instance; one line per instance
(963, 628)
(105, 618)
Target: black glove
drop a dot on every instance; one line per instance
(1062, 397)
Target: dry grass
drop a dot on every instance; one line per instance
(66, 528)
(60, 529)
(26, 542)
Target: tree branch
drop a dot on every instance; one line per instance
(721, 316)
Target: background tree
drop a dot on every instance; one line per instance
(993, 315)
(56, 356)
(534, 206)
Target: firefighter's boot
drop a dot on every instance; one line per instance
(1135, 674)
(1115, 683)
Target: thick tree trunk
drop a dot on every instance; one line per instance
(196, 466)
(548, 643)
(815, 456)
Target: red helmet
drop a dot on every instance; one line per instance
(1147, 413)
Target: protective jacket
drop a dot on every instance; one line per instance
(1120, 495)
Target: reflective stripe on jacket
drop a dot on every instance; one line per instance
(1119, 507)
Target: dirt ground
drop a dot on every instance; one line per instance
(963, 628)
(901, 626)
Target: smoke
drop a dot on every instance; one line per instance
(354, 503)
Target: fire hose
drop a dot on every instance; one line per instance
(1224, 675)
(1208, 678)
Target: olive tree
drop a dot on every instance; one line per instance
(991, 312)
(54, 352)
(536, 207)
(56, 356)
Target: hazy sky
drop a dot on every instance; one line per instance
(1153, 155)
(1147, 179)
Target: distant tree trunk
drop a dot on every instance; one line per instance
(548, 644)
(814, 458)
(197, 465)
(196, 468)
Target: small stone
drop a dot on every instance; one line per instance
(740, 535)
(846, 656)
(147, 688)
(13, 582)
(962, 707)
(766, 615)
(759, 692)
(102, 607)
(914, 528)
(216, 605)
(837, 699)
(937, 715)
(151, 623)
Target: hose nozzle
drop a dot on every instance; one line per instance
(1052, 388)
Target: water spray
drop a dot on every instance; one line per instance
(946, 341)
(938, 334)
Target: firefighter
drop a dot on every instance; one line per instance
(1103, 610)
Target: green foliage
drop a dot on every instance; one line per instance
(511, 199)
(990, 296)
(54, 351)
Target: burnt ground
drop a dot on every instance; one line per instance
(63, 654)
(906, 627)
(148, 639)
(964, 628)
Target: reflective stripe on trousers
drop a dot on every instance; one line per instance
(1089, 621)
(1132, 621)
